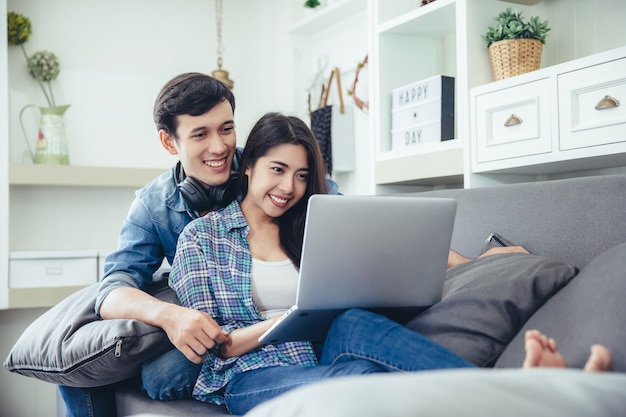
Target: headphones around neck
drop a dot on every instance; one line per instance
(201, 198)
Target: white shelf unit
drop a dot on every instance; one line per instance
(560, 128)
(63, 208)
(412, 43)
(80, 176)
(582, 34)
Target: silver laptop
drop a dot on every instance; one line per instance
(387, 254)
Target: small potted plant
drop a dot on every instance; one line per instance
(312, 4)
(515, 45)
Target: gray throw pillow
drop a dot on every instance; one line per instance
(487, 300)
(69, 345)
(589, 310)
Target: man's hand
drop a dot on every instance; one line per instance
(193, 332)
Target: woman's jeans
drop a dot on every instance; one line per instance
(170, 376)
(358, 342)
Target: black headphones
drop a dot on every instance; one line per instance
(201, 198)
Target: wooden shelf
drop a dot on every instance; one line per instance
(81, 176)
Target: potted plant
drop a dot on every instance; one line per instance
(515, 45)
(311, 4)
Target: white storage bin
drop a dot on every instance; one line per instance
(39, 269)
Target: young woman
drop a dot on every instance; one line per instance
(240, 266)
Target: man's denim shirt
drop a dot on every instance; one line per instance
(149, 234)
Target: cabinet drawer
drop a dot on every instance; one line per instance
(592, 105)
(52, 269)
(513, 122)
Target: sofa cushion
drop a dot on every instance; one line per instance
(487, 300)
(130, 400)
(590, 309)
(459, 393)
(69, 345)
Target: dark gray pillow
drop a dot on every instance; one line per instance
(589, 310)
(487, 300)
(69, 345)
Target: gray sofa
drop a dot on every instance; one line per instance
(572, 287)
(579, 221)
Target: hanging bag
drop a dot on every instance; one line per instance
(333, 127)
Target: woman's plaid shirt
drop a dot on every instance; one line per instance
(211, 272)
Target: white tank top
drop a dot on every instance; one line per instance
(274, 286)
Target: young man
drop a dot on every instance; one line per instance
(194, 116)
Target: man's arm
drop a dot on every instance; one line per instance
(191, 331)
(129, 271)
(455, 258)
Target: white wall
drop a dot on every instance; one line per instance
(116, 55)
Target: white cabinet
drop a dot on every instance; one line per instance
(513, 121)
(410, 43)
(592, 105)
(444, 37)
(564, 118)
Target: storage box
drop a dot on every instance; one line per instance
(52, 269)
(423, 112)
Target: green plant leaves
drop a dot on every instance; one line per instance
(511, 25)
(18, 29)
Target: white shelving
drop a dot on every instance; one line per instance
(328, 16)
(77, 176)
(411, 43)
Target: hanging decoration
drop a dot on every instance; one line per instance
(361, 104)
(219, 73)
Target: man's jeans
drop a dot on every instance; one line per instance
(170, 376)
(358, 342)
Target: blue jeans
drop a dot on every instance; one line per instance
(358, 342)
(170, 376)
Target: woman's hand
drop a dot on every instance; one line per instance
(243, 340)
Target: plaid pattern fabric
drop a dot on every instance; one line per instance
(211, 272)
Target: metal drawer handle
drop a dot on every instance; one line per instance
(607, 102)
(513, 120)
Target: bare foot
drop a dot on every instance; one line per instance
(541, 351)
(599, 360)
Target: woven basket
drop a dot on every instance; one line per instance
(512, 57)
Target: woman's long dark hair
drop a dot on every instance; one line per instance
(272, 130)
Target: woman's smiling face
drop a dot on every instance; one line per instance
(278, 180)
